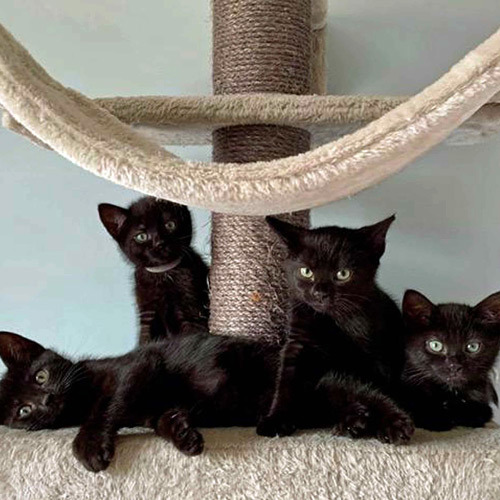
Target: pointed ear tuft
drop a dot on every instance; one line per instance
(376, 234)
(417, 308)
(288, 233)
(17, 350)
(488, 310)
(113, 218)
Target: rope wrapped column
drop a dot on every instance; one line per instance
(259, 46)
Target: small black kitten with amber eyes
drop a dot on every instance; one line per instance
(339, 320)
(170, 277)
(450, 352)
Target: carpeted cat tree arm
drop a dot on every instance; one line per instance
(191, 120)
(457, 465)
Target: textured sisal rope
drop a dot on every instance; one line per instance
(259, 46)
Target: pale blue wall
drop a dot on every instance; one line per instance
(61, 278)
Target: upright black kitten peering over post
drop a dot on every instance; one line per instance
(170, 277)
(339, 320)
(450, 351)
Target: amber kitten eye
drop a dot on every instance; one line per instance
(24, 411)
(141, 237)
(170, 226)
(306, 273)
(473, 347)
(42, 376)
(343, 274)
(435, 346)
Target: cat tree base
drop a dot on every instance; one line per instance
(463, 464)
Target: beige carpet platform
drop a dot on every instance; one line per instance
(460, 465)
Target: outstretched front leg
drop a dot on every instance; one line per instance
(94, 445)
(300, 369)
(174, 425)
(361, 411)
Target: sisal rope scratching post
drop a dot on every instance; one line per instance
(259, 46)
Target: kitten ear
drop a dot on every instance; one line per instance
(17, 350)
(112, 217)
(488, 310)
(417, 308)
(376, 234)
(289, 234)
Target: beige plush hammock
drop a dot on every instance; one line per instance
(261, 123)
(85, 133)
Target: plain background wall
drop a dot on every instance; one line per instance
(62, 281)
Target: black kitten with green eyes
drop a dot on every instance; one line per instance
(339, 320)
(450, 352)
(170, 277)
(170, 387)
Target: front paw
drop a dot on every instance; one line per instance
(94, 451)
(273, 425)
(397, 428)
(354, 422)
(174, 425)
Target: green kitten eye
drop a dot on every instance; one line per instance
(170, 226)
(42, 376)
(24, 411)
(141, 237)
(473, 347)
(306, 273)
(343, 274)
(435, 345)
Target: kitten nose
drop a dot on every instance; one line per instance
(47, 399)
(455, 369)
(319, 294)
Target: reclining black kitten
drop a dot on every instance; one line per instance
(171, 387)
(170, 277)
(339, 319)
(450, 351)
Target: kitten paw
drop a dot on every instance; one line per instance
(174, 425)
(397, 429)
(94, 452)
(272, 426)
(354, 422)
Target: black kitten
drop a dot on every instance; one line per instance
(339, 318)
(170, 277)
(450, 351)
(171, 386)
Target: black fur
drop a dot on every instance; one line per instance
(340, 319)
(172, 387)
(451, 387)
(172, 302)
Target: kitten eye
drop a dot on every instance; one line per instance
(24, 411)
(170, 226)
(41, 376)
(306, 273)
(343, 274)
(435, 345)
(141, 237)
(473, 347)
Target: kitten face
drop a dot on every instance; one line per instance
(32, 392)
(450, 344)
(332, 269)
(150, 232)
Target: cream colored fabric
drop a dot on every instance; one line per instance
(191, 120)
(89, 136)
(237, 464)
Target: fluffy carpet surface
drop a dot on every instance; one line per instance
(461, 464)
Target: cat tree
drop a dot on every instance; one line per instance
(268, 56)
